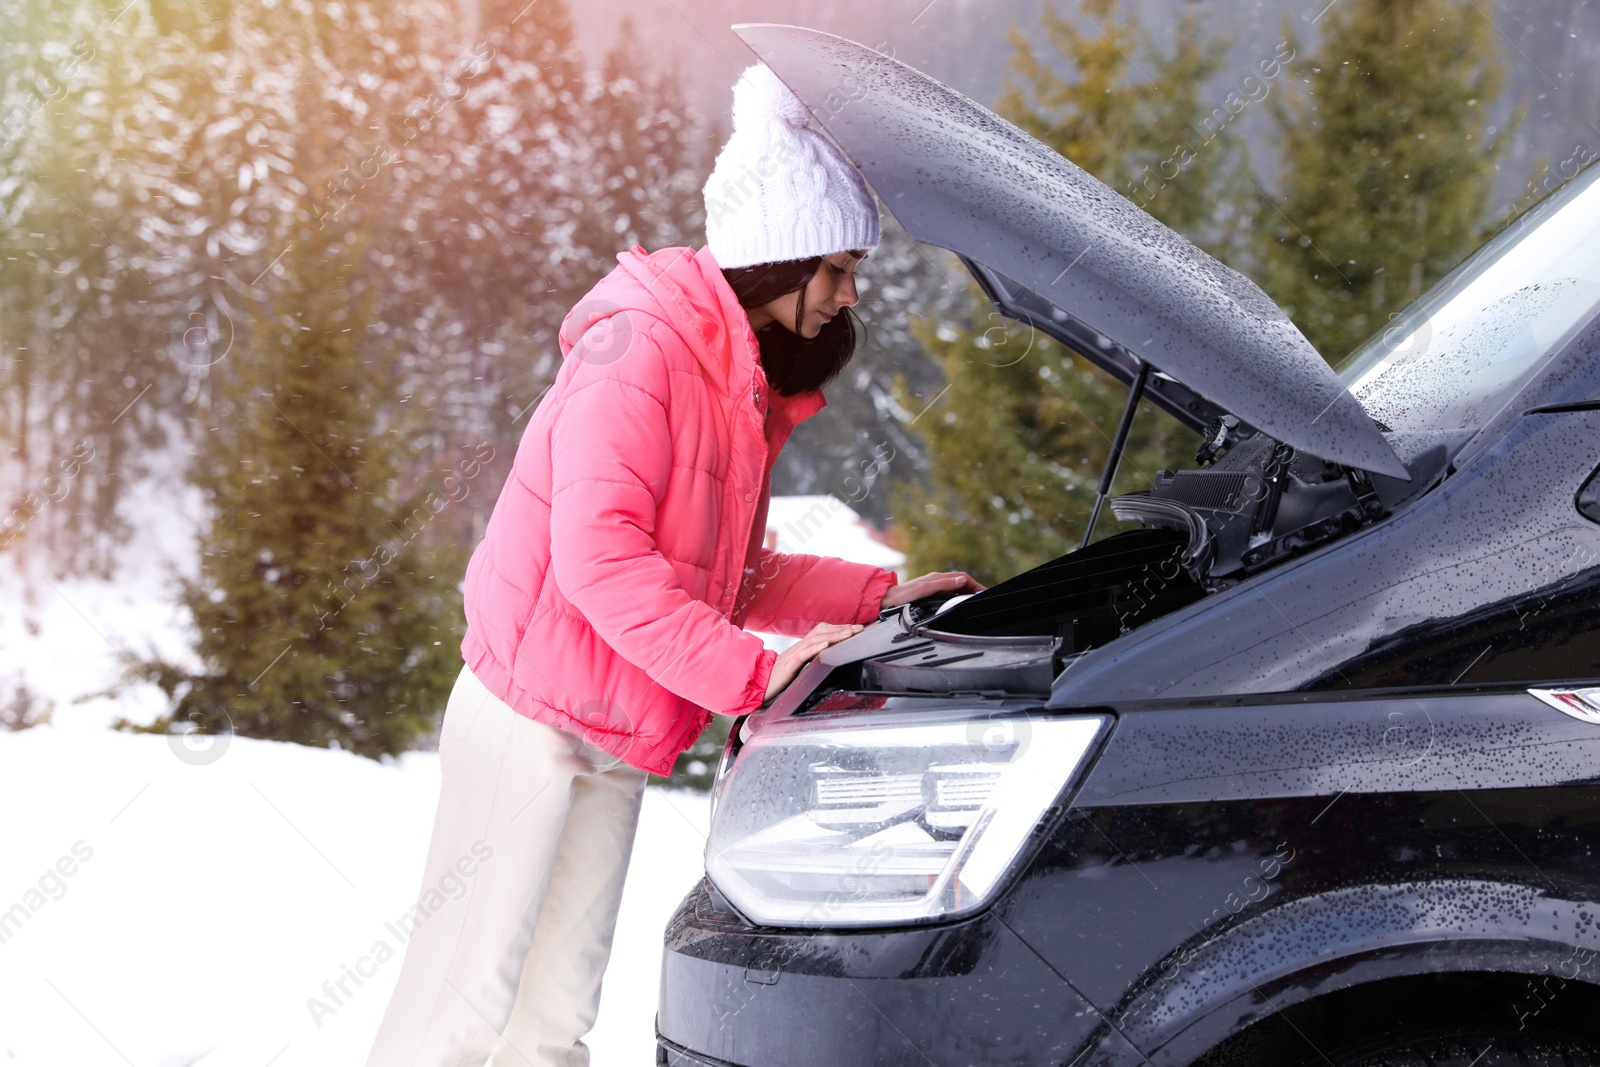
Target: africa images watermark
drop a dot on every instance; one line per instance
(805, 526)
(450, 887)
(346, 183)
(1144, 186)
(1269, 867)
(368, 569)
(47, 88)
(1539, 991)
(52, 489)
(853, 886)
(1552, 177)
(51, 885)
(742, 188)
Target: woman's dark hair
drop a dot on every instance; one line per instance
(795, 364)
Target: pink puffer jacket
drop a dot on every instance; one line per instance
(624, 555)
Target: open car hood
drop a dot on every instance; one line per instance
(1057, 248)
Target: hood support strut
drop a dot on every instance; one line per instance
(1118, 443)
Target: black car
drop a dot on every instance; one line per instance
(1306, 770)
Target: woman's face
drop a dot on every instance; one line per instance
(831, 289)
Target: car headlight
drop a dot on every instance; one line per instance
(873, 821)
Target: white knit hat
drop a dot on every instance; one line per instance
(780, 190)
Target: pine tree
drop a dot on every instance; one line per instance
(1387, 167)
(326, 606)
(1128, 121)
(1017, 443)
(325, 616)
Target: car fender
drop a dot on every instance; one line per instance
(1210, 989)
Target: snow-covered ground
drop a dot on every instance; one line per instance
(160, 910)
(70, 641)
(186, 914)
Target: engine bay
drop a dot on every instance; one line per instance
(1254, 503)
(1262, 502)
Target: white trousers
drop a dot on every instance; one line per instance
(519, 894)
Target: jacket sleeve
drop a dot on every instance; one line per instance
(611, 454)
(789, 594)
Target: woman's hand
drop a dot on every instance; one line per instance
(929, 585)
(797, 655)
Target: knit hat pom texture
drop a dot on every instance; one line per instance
(780, 190)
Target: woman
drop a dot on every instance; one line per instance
(606, 603)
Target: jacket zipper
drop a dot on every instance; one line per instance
(748, 531)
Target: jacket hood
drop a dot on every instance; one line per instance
(666, 285)
(684, 288)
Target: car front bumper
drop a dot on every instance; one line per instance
(968, 992)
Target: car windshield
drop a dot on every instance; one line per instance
(1459, 354)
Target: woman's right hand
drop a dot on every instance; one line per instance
(797, 655)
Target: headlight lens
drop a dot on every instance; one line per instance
(839, 823)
